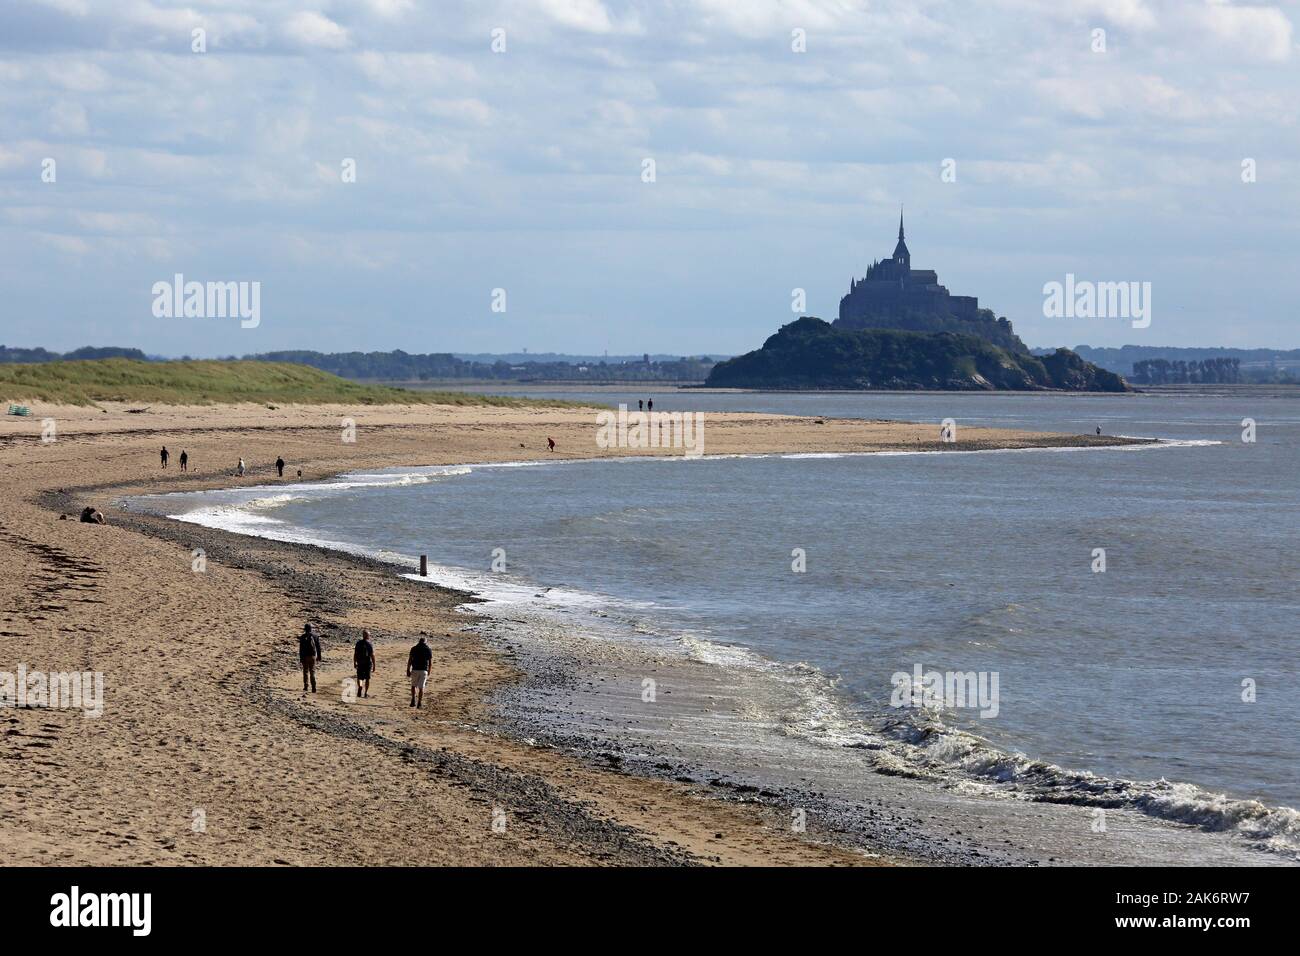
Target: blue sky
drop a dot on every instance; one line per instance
(522, 170)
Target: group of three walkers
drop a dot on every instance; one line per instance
(363, 657)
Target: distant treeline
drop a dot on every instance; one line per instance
(76, 355)
(1255, 365)
(1216, 371)
(399, 366)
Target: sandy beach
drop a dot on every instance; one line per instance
(208, 753)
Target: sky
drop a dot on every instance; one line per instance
(592, 175)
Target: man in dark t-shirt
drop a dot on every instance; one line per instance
(417, 668)
(309, 654)
(364, 658)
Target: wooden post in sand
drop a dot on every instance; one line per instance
(424, 565)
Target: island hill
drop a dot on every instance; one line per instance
(899, 329)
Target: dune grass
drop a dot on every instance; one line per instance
(215, 382)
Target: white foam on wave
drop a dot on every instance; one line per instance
(918, 744)
(498, 591)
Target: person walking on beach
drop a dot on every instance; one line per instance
(650, 405)
(185, 460)
(640, 404)
(364, 658)
(309, 654)
(163, 455)
(417, 668)
(240, 469)
(279, 466)
(550, 444)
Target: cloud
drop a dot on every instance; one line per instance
(313, 29)
(1262, 33)
(389, 9)
(69, 245)
(587, 15)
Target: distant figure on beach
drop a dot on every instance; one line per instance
(640, 404)
(279, 466)
(299, 472)
(185, 460)
(650, 405)
(364, 657)
(309, 654)
(163, 456)
(90, 516)
(1098, 429)
(417, 668)
(550, 444)
(240, 469)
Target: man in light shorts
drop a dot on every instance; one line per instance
(309, 655)
(417, 668)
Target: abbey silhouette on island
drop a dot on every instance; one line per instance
(899, 329)
(893, 295)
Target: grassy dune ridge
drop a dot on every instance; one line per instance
(207, 382)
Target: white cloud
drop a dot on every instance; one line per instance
(1258, 32)
(588, 15)
(389, 9)
(69, 245)
(312, 29)
(775, 18)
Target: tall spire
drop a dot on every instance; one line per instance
(901, 255)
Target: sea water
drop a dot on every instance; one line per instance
(1127, 618)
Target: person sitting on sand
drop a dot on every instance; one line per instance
(240, 469)
(279, 466)
(309, 654)
(417, 668)
(185, 460)
(163, 456)
(364, 658)
(90, 516)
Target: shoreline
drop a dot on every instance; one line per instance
(698, 688)
(202, 710)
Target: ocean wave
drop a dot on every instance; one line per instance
(918, 744)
